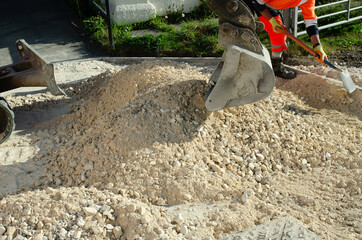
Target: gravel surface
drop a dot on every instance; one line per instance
(132, 153)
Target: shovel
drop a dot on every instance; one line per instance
(344, 74)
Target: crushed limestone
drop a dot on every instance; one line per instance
(139, 157)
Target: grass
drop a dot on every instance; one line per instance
(178, 34)
(188, 38)
(340, 38)
(345, 37)
(196, 34)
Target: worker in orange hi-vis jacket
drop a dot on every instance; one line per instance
(268, 13)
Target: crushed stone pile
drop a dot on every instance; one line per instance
(139, 157)
(321, 90)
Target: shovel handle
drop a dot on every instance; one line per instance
(331, 65)
(286, 32)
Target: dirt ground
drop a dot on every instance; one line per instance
(132, 153)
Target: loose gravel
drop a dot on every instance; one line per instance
(139, 157)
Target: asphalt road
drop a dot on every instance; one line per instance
(49, 26)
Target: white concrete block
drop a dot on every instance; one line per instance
(131, 11)
(165, 7)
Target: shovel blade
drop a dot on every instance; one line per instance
(347, 81)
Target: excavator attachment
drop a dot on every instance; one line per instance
(245, 77)
(30, 71)
(7, 123)
(245, 73)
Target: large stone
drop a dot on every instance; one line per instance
(283, 228)
(2, 229)
(163, 7)
(131, 11)
(89, 211)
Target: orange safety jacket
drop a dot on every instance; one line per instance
(307, 6)
(278, 40)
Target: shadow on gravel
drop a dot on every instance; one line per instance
(322, 93)
(26, 118)
(44, 142)
(19, 167)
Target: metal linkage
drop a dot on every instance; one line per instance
(347, 12)
(107, 15)
(30, 71)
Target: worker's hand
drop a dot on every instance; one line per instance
(322, 55)
(276, 24)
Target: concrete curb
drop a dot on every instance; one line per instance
(193, 60)
(329, 80)
(132, 60)
(175, 59)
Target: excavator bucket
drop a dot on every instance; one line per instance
(30, 71)
(245, 73)
(244, 77)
